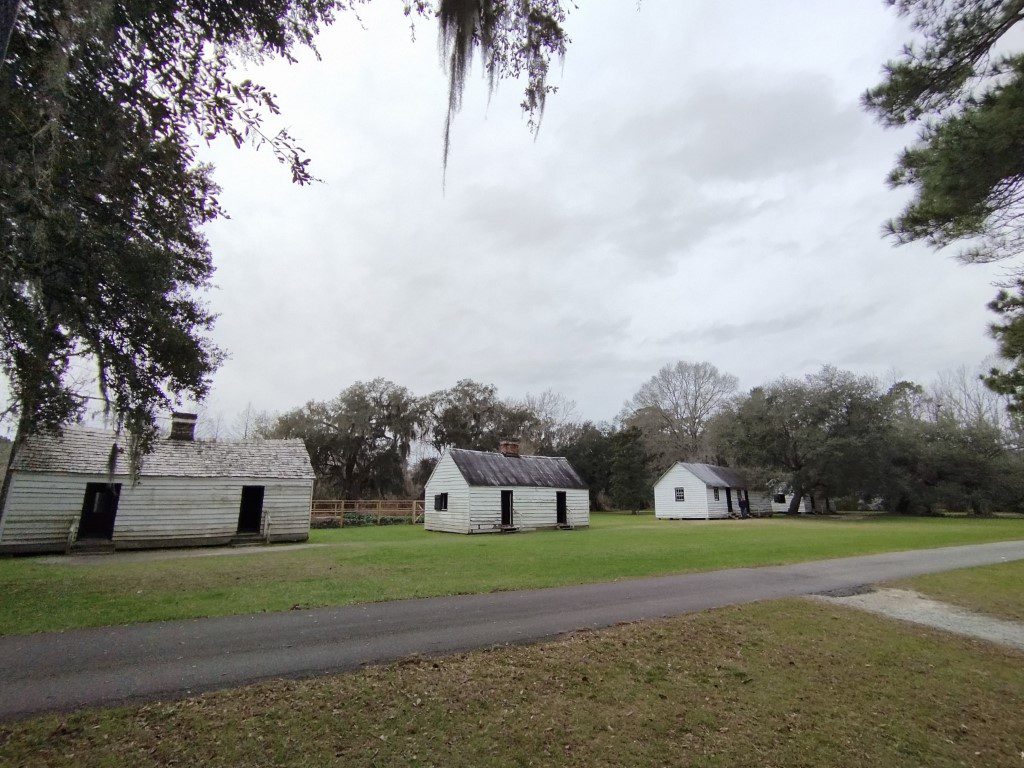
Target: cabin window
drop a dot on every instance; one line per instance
(779, 498)
(440, 502)
(716, 494)
(680, 494)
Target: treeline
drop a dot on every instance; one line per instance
(842, 439)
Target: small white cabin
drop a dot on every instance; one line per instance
(782, 499)
(482, 492)
(689, 491)
(73, 491)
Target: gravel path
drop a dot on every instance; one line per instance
(912, 606)
(107, 665)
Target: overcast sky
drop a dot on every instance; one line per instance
(704, 186)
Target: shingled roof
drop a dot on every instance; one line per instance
(483, 468)
(715, 476)
(87, 452)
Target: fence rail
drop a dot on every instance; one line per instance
(335, 509)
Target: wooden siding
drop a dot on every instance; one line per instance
(446, 478)
(760, 504)
(532, 508)
(697, 495)
(158, 511)
(720, 509)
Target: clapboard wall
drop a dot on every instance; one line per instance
(696, 494)
(532, 508)
(157, 511)
(446, 478)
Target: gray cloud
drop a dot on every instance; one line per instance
(665, 211)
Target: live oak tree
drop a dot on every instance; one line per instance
(102, 196)
(358, 442)
(965, 90)
(471, 415)
(823, 435)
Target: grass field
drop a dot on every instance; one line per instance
(385, 563)
(790, 683)
(997, 590)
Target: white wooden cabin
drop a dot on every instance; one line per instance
(690, 491)
(482, 492)
(781, 500)
(73, 491)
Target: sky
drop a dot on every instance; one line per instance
(704, 186)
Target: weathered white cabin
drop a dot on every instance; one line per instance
(689, 491)
(781, 501)
(481, 492)
(73, 491)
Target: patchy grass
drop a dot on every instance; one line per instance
(997, 590)
(391, 562)
(789, 683)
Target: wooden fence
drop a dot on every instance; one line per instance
(325, 510)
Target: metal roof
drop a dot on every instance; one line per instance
(87, 452)
(483, 468)
(715, 476)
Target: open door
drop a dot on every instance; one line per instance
(728, 499)
(506, 508)
(250, 511)
(99, 508)
(561, 509)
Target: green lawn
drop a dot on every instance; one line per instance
(994, 589)
(386, 563)
(790, 683)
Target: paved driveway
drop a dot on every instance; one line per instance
(67, 670)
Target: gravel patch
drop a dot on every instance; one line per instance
(907, 605)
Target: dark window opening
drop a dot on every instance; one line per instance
(99, 508)
(779, 498)
(680, 494)
(440, 502)
(250, 511)
(716, 494)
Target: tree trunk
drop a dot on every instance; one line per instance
(8, 15)
(5, 488)
(794, 503)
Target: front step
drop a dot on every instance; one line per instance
(92, 547)
(564, 527)
(508, 529)
(247, 540)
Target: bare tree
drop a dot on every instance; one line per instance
(552, 419)
(961, 394)
(250, 423)
(674, 407)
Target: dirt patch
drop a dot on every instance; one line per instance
(907, 605)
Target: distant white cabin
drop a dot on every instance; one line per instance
(481, 492)
(689, 491)
(781, 501)
(73, 491)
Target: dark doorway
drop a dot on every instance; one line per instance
(728, 499)
(250, 511)
(99, 510)
(561, 509)
(506, 508)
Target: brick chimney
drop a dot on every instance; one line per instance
(183, 426)
(509, 448)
